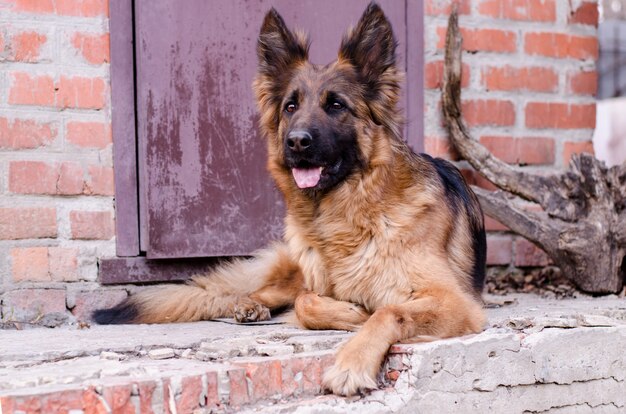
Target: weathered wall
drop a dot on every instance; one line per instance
(530, 80)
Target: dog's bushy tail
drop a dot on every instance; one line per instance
(203, 297)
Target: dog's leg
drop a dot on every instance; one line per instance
(321, 312)
(244, 289)
(281, 288)
(436, 312)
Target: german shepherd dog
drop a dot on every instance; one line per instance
(378, 239)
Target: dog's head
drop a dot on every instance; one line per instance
(321, 120)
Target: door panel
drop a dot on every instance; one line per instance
(204, 189)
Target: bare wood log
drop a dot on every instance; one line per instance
(583, 228)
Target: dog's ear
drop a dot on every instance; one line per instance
(279, 51)
(370, 46)
(278, 48)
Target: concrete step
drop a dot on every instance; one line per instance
(536, 356)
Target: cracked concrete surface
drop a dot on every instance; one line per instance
(536, 356)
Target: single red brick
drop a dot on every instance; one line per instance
(30, 264)
(27, 223)
(26, 46)
(488, 112)
(31, 90)
(92, 225)
(28, 304)
(146, 396)
(433, 75)
(88, 134)
(118, 398)
(583, 83)
(528, 10)
(94, 48)
(483, 40)
(525, 151)
(32, 177)
(561, 45)
(265, 376)
(84, 8)
(560, 115)
(63, 263)
(26, 133)
(190, 395)
(499, 250)
(586, 13)
(81, 93)
(93, 403)
(509, 78)
(301, 375)
(570, 148)
(529, 255)
(30, 6)
(70, 179)
(101, 181)
(238, 395)
(440, 147)
(312, 372)
(444, 7)
(212, 396)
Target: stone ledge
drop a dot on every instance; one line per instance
(536, 356)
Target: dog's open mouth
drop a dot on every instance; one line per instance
(309, 176)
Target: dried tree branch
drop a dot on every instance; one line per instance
(583, 228)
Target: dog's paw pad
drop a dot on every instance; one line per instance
(251, 312)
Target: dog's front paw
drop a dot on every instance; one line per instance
(250, 311)
(348, 379)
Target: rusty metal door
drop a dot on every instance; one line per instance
(203, 185)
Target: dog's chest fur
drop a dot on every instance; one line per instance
(360, 255)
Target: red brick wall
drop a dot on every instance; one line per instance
(56, 172)
(529, 79)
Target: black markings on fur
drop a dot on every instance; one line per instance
(460, 196)
(125, 312)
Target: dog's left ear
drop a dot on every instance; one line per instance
(279, 48)
(279, 51)
(370, 46)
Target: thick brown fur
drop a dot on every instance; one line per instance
(392, 246)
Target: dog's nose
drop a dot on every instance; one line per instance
(299, 140)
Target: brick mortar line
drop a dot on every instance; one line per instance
(92, 157)
(52, 20)
(56, 69)
(39, 26)
(39, 200)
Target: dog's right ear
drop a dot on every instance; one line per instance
(279, 51)
(278, 48)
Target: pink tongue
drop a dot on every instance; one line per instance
(306, 177)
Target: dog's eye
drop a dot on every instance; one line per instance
(337, 106)
(290, 107)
